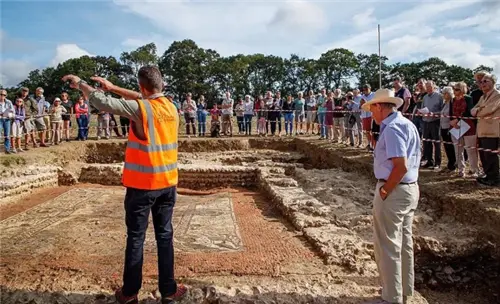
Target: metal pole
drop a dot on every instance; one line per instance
(379, 61)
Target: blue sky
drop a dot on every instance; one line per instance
(37, 34)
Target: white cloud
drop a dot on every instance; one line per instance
(466, 53)
(412, 34)
(485, 21)
(364, 19)
(401, 47)
(68, 51)
(280, 28)
(14, 71)
(133, 43)
(473, 60)
(415, 20)
(299, 19)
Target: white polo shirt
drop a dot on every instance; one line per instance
(365, 114)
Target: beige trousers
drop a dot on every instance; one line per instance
(392, 222)
(469, 141)
(338, 128)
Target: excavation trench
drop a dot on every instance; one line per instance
(324, 194)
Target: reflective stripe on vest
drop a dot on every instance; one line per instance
(151, 127)
(152, 147)
(147, 169)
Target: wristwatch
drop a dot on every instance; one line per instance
(383, 190)
(80, 82)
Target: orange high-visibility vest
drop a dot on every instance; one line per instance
(151, 164)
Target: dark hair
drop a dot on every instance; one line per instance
(150, 78)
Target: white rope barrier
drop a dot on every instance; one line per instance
(254, 122)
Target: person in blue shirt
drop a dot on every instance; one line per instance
(201, 113)
(396, 164)
(6, 114)
(354, 119)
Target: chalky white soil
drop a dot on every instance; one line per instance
(343, 202)
(350, 196)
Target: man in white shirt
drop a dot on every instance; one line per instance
(227, 114)
(268, 101)
(248, 114)
(366, 116)
(39, 101)
(353, 106)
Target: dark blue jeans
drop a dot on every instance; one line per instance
(138, 203)
(83, 126)
(247, 118)
(5, 125)
(202, 123)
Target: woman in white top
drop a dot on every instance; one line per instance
(310, 112)
(248, 114)
(189, 108)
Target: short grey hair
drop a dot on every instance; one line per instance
(462, 86)
(432, 83)
(39, 89)
(492, 77)
(448, 90)
(480, 74)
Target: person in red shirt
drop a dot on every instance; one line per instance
(215, 122)
(82, 118)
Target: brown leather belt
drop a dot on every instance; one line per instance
(384, 181)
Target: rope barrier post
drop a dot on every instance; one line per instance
(379, 60)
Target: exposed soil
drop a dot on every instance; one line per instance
(456, 231)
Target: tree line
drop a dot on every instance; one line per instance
(187, 67)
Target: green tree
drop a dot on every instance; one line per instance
(410, 72)
(265, 73)
(482, 68)
(368, 70)
(189, 68)
(134, 60)
(336, 66)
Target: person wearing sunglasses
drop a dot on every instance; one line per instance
(466, 144)
(6, 113)
(488, 130)
(18, 125)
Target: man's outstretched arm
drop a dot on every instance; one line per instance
(110, 87)
(125, 108)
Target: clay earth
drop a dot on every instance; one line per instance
(268, 220)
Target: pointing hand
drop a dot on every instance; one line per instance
(73, 79)
(105, 84)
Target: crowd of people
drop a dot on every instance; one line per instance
(42, 123)
(466, 124)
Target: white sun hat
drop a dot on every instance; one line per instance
(383, 96)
